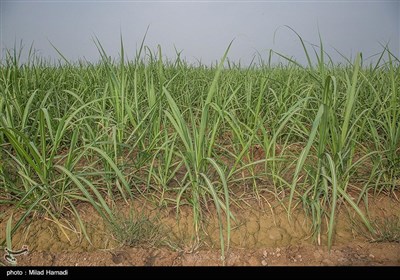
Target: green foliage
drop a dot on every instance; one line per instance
(181, 134)
(136, 229)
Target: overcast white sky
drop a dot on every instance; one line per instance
(202, 29)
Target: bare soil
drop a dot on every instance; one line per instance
(262, 235)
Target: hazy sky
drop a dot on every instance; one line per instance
(201, 29)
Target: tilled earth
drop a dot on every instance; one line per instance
(261, 236)
(305, 255)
